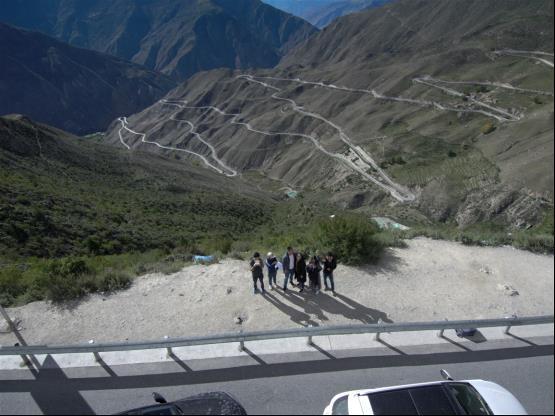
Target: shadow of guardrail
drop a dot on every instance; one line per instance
(56, 393)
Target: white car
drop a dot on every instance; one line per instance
(449, 397)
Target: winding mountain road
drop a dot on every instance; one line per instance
(192, 130)
(355, 157)
(395, 190)
(499, 114)
(359, 160)
(124, 123)
(527, 54)
(503, 85)
(502, 114)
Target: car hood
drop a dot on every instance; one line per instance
(500, 400)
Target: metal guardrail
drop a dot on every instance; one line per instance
(308, 332)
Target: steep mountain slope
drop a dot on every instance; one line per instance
(72, 88)
(411, 28)
(176, 37)
(322, 12)
(438, 110)
(325, 16)
(62, 195)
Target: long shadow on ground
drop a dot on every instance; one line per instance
(322, 305)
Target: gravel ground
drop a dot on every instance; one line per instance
(429, 280)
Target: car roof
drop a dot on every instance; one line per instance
(390, 388)
(500, 400)
(401, 398)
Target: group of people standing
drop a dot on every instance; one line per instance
(296, 271)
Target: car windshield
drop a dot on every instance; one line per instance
(427, 400)
(469, 399)
(341, 406)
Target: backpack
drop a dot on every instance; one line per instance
(465, 332)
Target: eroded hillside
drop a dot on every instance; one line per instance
(432, 110)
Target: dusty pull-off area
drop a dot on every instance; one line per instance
(429, 280)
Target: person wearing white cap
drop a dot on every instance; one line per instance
(271, 264)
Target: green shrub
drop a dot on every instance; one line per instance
(64, 288)
(114, 280)
(392, 238)
(216, 244)
(67, 279)
(241, 246)
(539, 243)
(11, 285)
(237, 255)
(352, 238)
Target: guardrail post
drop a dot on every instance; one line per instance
(169, 351)
(242, 344)
(377, 336)
(309, 340)
(441, 331)
(25, 361)
(97, 358)
(508, 328)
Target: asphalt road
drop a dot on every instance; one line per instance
(301, 383)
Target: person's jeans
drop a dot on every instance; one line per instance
(329, 275)
(314, 284)
(255, 279)
(272, 277)
(289, 275)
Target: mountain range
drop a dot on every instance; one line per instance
(175, 37)
(436, 110)
(426, 111)
(75, 89)
(322, 12)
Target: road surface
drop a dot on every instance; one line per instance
(299, 383)
(535, 55)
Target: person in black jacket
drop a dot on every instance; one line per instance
(330, 264)
(300, 271)
(289, 262)
(313, 269)
(257, 269)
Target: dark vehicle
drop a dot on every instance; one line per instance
(216, 403)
